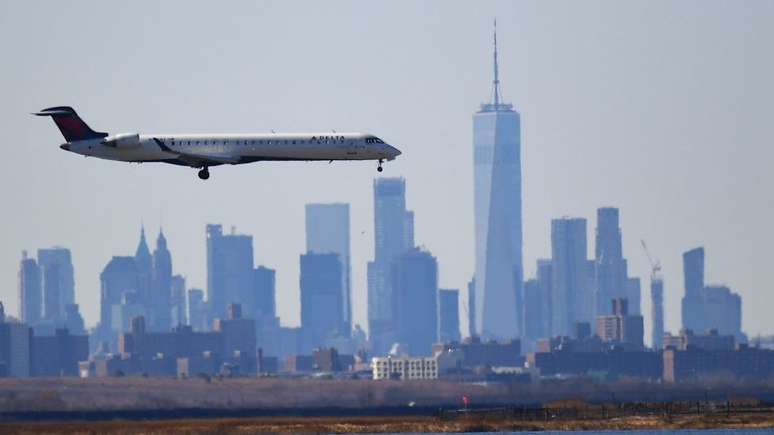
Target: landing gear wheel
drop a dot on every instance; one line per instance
(204, 174)
(379, 168)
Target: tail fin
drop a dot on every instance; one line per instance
(70, 124)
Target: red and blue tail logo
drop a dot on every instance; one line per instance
(70, 124)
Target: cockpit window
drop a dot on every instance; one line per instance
(373, 139)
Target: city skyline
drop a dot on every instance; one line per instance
(567, 123)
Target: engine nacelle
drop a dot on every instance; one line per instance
(123, 140)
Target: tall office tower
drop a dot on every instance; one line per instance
(545, 276)
(570, 296)
(415, 288)
(723, 311)
(537, 305)
(52, 296)
(177, 301)
(117, 278)
(657, 311)
(30, 291)
(610, 281)
(634, 296)
(197, 310)
(533, 310)
(393, 229)
(130, 307)
(229, 269)
(73, 320)
(144, 263)
(497, 174)
(692, 304)
(321, 295)
(264, 291)
(448, 315)
(15, 345)
(160, 302)
(328, 232)
(472, 308)
(707, 307)
(408, 230)
(58, 283)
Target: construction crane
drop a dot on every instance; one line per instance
(655, 266)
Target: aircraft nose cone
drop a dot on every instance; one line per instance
(65, 147)
(394, 152)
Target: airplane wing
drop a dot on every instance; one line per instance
(197, 160)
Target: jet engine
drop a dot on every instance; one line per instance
(123, 140)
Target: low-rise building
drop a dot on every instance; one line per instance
(611, 363)
(477, 353)
(712, 340)
(299, 364)
(205, 364)
(694, 364)
(621, 327)
(404, 368)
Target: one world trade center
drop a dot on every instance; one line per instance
(497, 173)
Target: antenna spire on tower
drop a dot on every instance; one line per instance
(496, 82)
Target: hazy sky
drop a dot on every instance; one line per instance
(660, 108)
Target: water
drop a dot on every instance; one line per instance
(653, 432)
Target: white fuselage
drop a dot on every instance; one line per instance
(238, 148)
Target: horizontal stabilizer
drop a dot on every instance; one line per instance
(70, 124)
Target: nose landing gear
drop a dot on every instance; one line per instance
(204, 173)
(379, 168)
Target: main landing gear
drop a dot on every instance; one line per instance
(379, 168)
(204, 173)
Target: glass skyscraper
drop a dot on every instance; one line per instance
(414, 283)
(30, 291)
(657, 310)
(393, 235)
(497, 174)
(327, 231)
(58, 282)
(321, 294)
(610, 268)
(571, 299)
(229, 269)
(160, 309)
(693, 272)
(448, 315)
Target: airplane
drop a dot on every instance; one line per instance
(203, 151)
